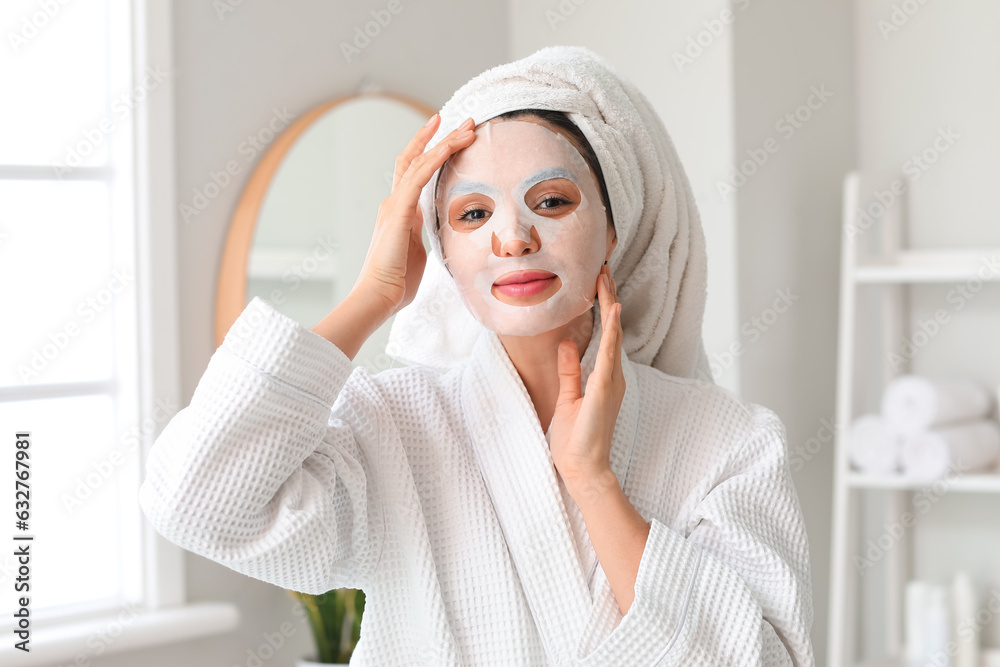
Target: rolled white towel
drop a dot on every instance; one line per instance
(911, 403)
(956, 449)
(871, 447)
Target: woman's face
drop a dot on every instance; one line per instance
(522, 199)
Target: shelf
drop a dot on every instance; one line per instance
(882, 261)
(988, 656)
(138, 628)
(883, 662)
(971, 483)
(933, 266)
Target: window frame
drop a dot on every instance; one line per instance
(165, 615)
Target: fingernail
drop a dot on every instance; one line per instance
(430, 120)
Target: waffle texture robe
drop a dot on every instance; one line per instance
(435, 493)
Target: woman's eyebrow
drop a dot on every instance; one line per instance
(546, 174)
(466, 187)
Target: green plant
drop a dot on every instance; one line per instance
(335, 619)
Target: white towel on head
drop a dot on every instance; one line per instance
(871, 447)
(955, 448)
(659, 264)
(912, 404)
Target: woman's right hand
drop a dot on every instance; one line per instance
(396, 256)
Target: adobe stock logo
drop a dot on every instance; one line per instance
(87, 311)
(32, 25)
(381, 18)
(121, 108)
(698, 44)
(787, 126)
(219, 180)
(900, 16)
(88, 482)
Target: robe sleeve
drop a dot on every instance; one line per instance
(736, 590)
(270, 470)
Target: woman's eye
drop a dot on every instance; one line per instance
(560, 201)
(470, 220)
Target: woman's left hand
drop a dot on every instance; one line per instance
(582, 427)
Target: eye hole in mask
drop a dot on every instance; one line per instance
(553, 198)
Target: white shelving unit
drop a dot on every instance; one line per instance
(892, 270)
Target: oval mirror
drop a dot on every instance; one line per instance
(303, 224)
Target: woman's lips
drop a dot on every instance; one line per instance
(523, 283)
(522, 276)
(529, 288)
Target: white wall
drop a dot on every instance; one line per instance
(789, 234)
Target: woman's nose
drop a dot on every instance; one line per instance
(514, 239)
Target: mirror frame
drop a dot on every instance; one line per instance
(231, 286)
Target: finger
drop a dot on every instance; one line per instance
(607, 306)
(604, 366)
(619, 333)
(418, 143)
(615, 324)
(603, 295)
(619, 338)
(568, 364)
(423, 166)
(414, 148)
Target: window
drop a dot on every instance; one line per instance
(88, 265)
(68, 252)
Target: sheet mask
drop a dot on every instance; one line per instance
(497, 214)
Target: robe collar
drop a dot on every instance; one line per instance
(522, 481)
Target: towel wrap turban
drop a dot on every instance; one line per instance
(659, 263)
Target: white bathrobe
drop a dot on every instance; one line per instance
(435, 493)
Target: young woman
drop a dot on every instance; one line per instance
(547, 483)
